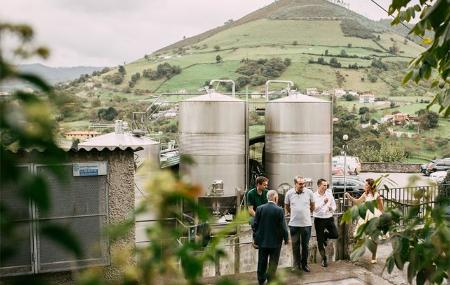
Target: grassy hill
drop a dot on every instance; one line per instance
(299, 30)
(296, 29)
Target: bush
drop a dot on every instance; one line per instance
(387, 152)
(372, 77)
(363, 110)
(349, 97)
(379, 64)
(428, 119)
(162, 70)
(352, 28)
(257, 80)
(108, 114)
(262, 68)
(241, 81)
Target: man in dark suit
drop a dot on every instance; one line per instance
(269, 228)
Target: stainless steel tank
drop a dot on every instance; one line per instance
(212, 132)
(298, 140)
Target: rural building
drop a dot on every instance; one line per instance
(312, 92)
(397, 119)
(98, 190)
(339, 92)
(366, 98)
(81, 135)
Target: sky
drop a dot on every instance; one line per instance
(111, 32)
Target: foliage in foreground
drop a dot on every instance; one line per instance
(26, 125)
(433, 63)
(420, 236)
(170, 258)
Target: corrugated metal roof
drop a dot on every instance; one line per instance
(113, 141)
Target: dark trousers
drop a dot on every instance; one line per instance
(266, 256)
(321, 225)
(300, 235)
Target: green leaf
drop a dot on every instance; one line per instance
(420, 280)
(36, 190)
(346, 217)
(355, 212)
(62, 236)
(390, 264)
(371, 245)
(411, 272)
(407, 76)
(36, 81)
(362, 210)
(358, 251)
(370, 206)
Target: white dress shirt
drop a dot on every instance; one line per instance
(324, 210)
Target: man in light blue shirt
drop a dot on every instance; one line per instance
(298, 205)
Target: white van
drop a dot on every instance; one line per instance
(353, 164)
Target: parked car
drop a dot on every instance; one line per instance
(353, 184)
(438, 176)
(352, 163)
(423, 167)
(438, 165)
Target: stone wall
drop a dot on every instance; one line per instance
(120, 197)
(390, 167)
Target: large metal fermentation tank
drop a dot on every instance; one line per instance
(212, 131)
(298, 139)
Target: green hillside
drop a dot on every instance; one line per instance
(300, 30)
(312, 42)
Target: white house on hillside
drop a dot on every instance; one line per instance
(312, 92)
(339, 92)
(367, 98)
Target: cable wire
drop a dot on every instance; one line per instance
(403, 24)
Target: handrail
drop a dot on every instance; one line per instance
(289, 83)
(233, 90)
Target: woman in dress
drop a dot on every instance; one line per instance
(370, 194)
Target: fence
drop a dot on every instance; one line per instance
(243, 258)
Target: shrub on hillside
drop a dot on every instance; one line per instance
(428, 119)
(372, 77)
(379, 64)
(257, 72)
(162, 70)
(257, 79)
(352, 28)
(107, 114)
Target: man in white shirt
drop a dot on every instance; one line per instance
(323, 217)
(299, 204)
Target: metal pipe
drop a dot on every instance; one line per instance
(233, 90)
(289, 83)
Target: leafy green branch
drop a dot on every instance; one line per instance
(434, 17)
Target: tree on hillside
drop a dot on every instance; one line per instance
(434, 18)
(363, 110)
(107, 114)
(428, 119)
(218, 59)
(122, 69)
(216, 47)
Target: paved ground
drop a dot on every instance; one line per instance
(337, 273)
